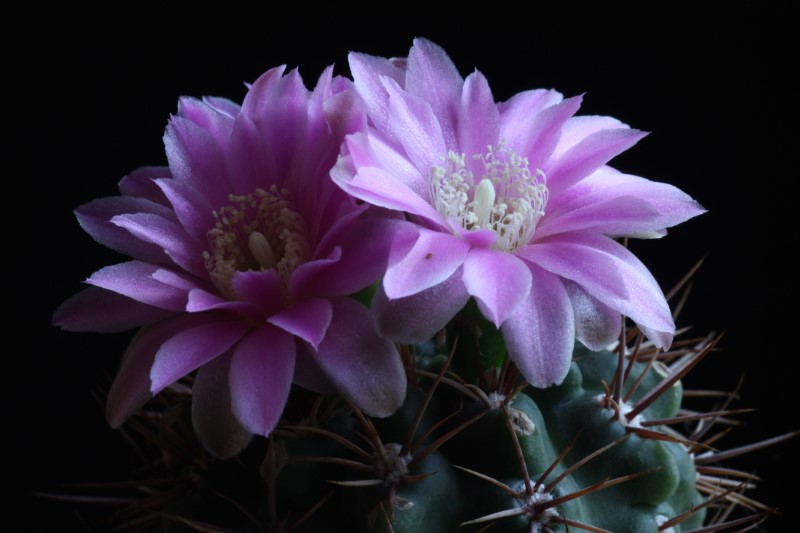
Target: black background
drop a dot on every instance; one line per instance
(714, 91)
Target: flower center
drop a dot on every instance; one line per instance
(255, 232)
(507, 198)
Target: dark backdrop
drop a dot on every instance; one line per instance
(716, 97)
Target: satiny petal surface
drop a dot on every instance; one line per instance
(517, 195)
(244, 253)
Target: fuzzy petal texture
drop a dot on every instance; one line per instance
(213, 418)
(540, 335)
(433, 259)
(417, 318)
(498, 281)
(244, 252)
(364, 367)
(133, 386)
(260, 377)
(517, 195)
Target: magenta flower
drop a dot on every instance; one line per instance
(244, 254)
(515, 206)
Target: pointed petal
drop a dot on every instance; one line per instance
(541, 135)
(201, 301)
(196, 157)
(95, 218)
(194, 212)
(416, 128)
(578, 128)
(134, 279)
(307, 373)
(373, 151)
(418, 318)
(433, 259)
(540, 336)
(499, 281)
(587, 156)
(88, 311)
(187, 350)
(618, 204)
(365, 368)
(522, 108)
(433, 77)
(478, 119)
(596, 325)
(613, 275)
(262, 289)
(365, 251)
(212, 414)
(308, 319)
(140, 184)
(367, 72)
(169, 235)
(260, 378)
(378, 187)
(132, 386)
(217, 123)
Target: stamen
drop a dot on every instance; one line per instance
(508, 199)
(258, 231)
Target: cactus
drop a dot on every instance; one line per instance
(310, 239)
(595, 453)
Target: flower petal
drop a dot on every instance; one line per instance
(88, 311)
(365, 368)
(478, 119)
(417, 318)
(367, 72)
(196, 157)
(540, 336)
(169, 235)
(95, 218)
(416, 128)
(596, 325)
(587, 156)
(260, 378)
(433, 77)
(213, 419)
(217, 123)
(132, 387)
(433, 258)
(617, 204)
(517, 114)
(613, 275)
(578, 128)
(373, 151)
(134, 279)
(197, 344)
(363, 257)
(307, 372)
(308, 319)
(378, 187)
(544, 131)
(499, 281)
(194, 212)
(140, 184)
(264, 290)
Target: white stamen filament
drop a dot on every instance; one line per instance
(507, 198)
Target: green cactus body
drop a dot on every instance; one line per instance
(472, 473)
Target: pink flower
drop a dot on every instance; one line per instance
(515, 206)
(244, 254)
